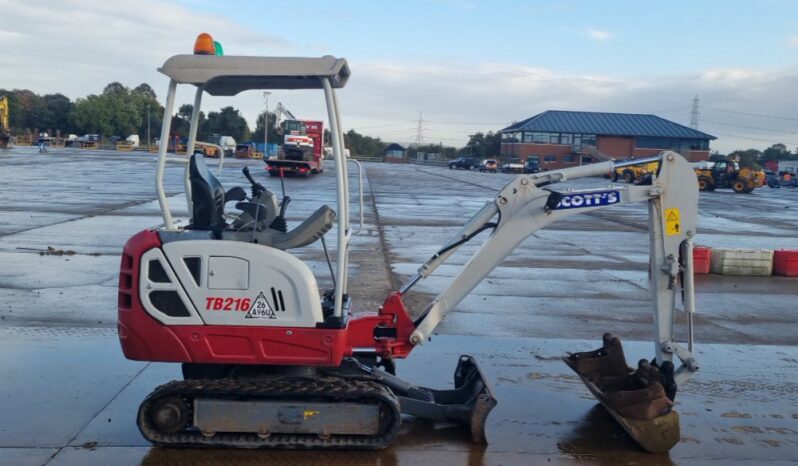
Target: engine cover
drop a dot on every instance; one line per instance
(219, 282)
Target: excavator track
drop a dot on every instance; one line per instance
(294, 391)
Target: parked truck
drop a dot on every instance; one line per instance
(302, 151)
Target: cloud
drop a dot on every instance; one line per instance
(79, 52)
(792, 41)
(598, 34)
(90, 43)
(460, 98)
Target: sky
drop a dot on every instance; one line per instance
(461, 66)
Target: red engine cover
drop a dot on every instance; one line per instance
(144, 338)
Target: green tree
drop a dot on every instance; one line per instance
(483, 145)
(93, 115)
(115, 89)
(359, 144)
(777, 152)
(747, 158)
(227, 122)
(181, 122)
(274, 136)
(144, 90)
(27, 110)
(59, 113)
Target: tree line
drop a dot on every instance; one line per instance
(117, 111)
(122, 111)
(756, 158)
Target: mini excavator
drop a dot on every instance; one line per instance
(271, 361)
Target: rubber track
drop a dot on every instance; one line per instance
(330, 389)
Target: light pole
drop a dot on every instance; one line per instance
(148, 126)
(266, 126)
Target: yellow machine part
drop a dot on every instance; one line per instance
(637, 171)
(4, 113)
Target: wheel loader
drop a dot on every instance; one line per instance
(271, 361)
(634, 173)
(728, 174)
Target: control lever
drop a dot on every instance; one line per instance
(279, 223)
(257, 188)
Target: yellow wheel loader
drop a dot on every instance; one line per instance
(727, 174)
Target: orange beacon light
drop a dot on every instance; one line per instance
(204, 45)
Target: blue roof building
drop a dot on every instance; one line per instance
(561, 139)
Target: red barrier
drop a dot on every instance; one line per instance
(785, 263)
(701, 260)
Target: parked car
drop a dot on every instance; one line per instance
(531, 166)
(513, 166)
(772, 179)
(489, 165)
(89, 138)
(464, 163)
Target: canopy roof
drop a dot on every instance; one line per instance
(229, 75)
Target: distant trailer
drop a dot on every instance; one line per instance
(315, 164)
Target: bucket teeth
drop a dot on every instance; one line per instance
(639, 395)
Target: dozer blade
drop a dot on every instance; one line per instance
(469, 403)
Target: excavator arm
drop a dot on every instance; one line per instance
(531, 202)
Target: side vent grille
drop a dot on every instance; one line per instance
(277, 299)
(125, 282)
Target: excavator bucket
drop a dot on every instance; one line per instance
(640, 400)
(469, 403)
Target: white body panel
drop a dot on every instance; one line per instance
(246, 284)
(148, 286)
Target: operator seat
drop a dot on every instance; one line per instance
(207, 195)
(208, 198)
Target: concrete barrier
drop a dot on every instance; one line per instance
(742, 261)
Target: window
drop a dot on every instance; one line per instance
(540, 138)
(577, 140)
(566, 138)
(568, 159)
(554, 138)
(678, 145)
(550, 158)
(589, 139)
(510, 137)
(527, 136)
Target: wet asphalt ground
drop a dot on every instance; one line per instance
(68, 396)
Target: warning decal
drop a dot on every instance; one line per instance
(672, 222)
(261, 309)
